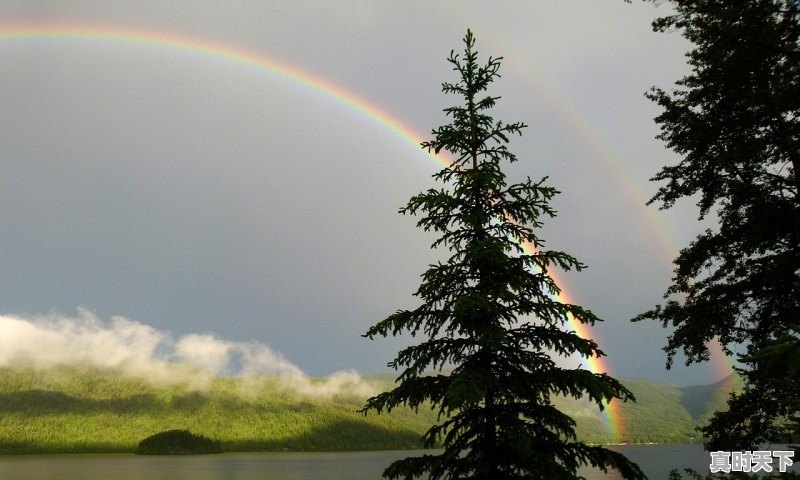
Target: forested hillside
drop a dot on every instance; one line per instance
(91, 410)
(663, 413)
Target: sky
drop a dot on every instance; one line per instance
(200, 196)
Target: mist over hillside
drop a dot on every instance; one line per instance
(78, 383)
(141, 352)
(103, 409)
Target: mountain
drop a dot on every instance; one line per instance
(70, 409)
(662, 413)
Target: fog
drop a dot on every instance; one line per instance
(140, 351)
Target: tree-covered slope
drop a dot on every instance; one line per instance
(71, 410)
(662, 413)
(91, 410)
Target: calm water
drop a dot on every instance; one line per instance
(655, 460)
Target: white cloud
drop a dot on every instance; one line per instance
(139, 350)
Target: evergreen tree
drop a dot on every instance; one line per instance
(489, 312)
(735, 121)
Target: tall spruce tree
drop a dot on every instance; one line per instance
(735, 120)
(489, 314)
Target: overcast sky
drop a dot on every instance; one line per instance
(197, 195)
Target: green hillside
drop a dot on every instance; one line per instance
(69, 410)
(80, 410)
(663, 413)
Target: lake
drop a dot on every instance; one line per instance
(655, 460)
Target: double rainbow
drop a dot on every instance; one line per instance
(66, 32)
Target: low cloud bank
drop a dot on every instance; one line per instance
(141, 351)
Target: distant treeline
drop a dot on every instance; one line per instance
(662, 413)
(89, 410)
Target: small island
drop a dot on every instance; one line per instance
(177, 442)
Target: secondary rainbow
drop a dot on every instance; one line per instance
(722, 364)
(62, 32)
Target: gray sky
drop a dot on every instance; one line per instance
(196, 195)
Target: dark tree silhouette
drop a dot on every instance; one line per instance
(489, 312)
(734, 120)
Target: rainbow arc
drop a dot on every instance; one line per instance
(92, 33)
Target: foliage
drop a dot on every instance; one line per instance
(92, 411)
(777, 363)
(490, 312)
(81, 410)
(662, 413)
(734, 120)
(177, 442)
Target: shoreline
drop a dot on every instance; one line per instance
(123, 451)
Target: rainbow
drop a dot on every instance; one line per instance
(186, 44)
(612, 410)
(722, 364)
(61, 32)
